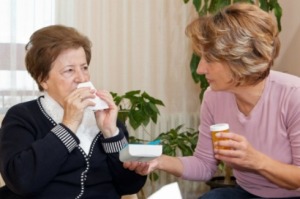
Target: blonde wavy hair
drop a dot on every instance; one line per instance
(242, 36)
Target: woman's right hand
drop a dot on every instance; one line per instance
(142, 168)
(169, 164)
(74, 105)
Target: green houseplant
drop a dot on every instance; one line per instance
(205, 7)
(177, 142)
(138, 109)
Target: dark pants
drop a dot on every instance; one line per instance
(230, 193)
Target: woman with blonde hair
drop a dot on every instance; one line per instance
(238, 46)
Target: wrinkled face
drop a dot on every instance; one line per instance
(217, 74)
(68, 70)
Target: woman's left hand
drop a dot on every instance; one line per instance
(107, 118)
(240, 155)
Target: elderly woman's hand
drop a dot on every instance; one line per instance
(74, 105)
(107, 118)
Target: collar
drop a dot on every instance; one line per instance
(86, 131)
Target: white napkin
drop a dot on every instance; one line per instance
(100, 104)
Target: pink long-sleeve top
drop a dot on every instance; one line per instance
(272, 127)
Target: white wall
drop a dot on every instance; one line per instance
(289, 57)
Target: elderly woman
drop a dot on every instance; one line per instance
(54, 146)
(238, 46)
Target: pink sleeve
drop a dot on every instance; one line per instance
(293, 125)
(202, 165)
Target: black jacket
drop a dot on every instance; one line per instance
(42, 159)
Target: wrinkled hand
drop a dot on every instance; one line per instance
(142, 168)
(74, 105)
(107, 118)
(241, 154)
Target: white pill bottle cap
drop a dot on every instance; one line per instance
(219, 127)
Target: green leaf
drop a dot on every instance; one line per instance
(148, 110)
(132, 93)
(145, 95)
(186, 151)
(185, 1)
(146, 121)
(134, 120)
(246, 1)
(264, 5)
(277, 12)
(193, 66)
(204, 9)
(197, 4)
(159, 102)
(168, 150)
(154, 118)
(118, 100)
(138, 115)
(152, 99)
(153, 108)
(178, 127)
(113, 94)
(134, 101)
(203, 85)
(216, 5)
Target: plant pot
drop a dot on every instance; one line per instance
(218, 182)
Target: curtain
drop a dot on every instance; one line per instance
(19, 19)
(137, 45)
(140, 45)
